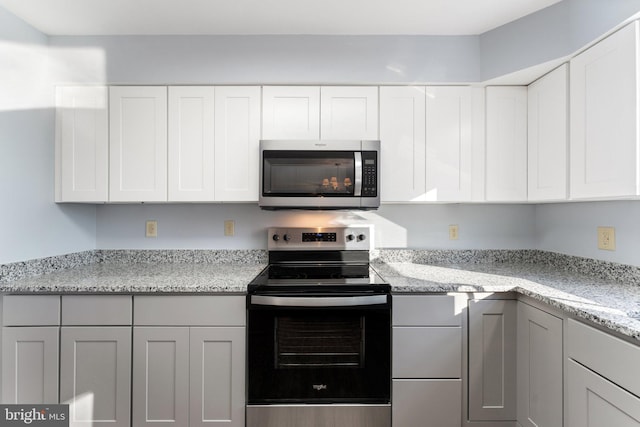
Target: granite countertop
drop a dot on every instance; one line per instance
(604, 293)
(614, 304)
(141, 278)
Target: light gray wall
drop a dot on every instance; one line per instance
(554, 32)
(396, 226)
(570, 228)
(31, 225)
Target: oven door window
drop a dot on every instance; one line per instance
(308, 173)
(318, 342)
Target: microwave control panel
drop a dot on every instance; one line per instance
(369, 174)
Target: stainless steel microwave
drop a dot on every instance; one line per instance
(319, 174)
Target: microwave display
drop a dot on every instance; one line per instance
(304, 173)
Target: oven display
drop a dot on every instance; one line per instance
(318, 237)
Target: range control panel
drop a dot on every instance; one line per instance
(358, 237)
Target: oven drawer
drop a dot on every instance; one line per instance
(427, 352)
(318, 415)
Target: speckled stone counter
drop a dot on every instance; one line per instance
(147, 272)
(614, 304)
(605, 293)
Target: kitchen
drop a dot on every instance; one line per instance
(39, 228)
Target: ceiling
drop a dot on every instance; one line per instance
(251, 17)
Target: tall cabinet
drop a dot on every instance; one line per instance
(138, 143)
(548, 110)
(506, 144)
(82, 144)
(604, 118)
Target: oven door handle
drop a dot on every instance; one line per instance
(318, 301)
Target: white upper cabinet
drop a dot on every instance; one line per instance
(604, 118)
(138, 143)
(548, 136)
(291, 112)
(448, 139)
(349, 112)
(191, 144)
(237, 136)
(82, 144)
(506, 144)
(402, 136)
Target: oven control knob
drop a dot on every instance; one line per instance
(276, 237)
(286, 237)
(361, 237)
(350, 237)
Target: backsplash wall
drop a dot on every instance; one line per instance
(199, 226)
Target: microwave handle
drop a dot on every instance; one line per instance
(318, 301)
(357, 188)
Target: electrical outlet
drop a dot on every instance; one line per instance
(229, 228)
(453, 232)
(151, 228)
(607, 238)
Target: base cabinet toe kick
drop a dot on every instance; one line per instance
(319, 415)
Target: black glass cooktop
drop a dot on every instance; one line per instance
(310, 277)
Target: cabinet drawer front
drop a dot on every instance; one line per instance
(96, 310)
(31, 310)
(427, 403)
(428, 310)
(427, 352)
(609, 356)
(189, 310)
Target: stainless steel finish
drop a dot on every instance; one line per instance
(318, 301)
(355, 202)
(357, 187)
(319, 415)
(277, 242)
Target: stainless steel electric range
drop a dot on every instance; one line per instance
(319, 332)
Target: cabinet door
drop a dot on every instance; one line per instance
(291, 112)
(595, 402)
(191, 144)
(30, 365)
(82, 144)
(349, 112)
(138, 144)
(492, 360)
(539, 368)
(237, 136)
(506, 145)
(160, 376)
(604, 118)
(548, 136)
(217, 376)
(95, 375)
(403, 144)
(427, 403)
(448, 144)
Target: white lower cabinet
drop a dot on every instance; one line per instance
(187, 375)
(492, 360)
(594, 401)
(427, 360)
(30, 365)
(539, 368)
(95, 375)
(426, 403)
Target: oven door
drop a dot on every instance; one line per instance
(319, 349)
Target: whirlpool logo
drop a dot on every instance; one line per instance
(319, 387)
(35, 415)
